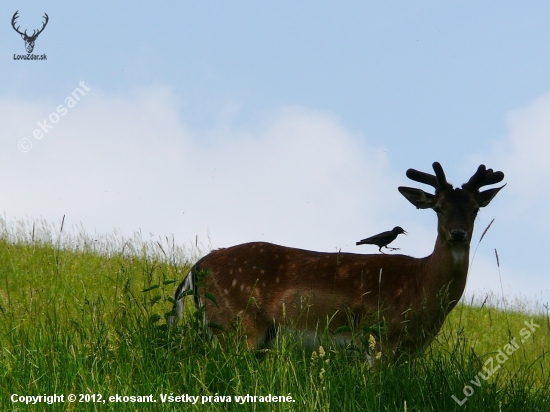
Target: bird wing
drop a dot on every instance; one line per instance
(379, 236)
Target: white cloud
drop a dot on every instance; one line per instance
(298, 178)
(527, 149)
(523, 154)
(522, 220)
(512, 286)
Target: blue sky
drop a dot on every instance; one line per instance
(290, 122)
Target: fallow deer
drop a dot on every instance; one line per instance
(263, 286)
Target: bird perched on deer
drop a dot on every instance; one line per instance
(383, 239)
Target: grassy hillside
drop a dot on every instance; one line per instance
(86, 317)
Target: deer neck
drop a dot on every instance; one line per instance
(448, 268)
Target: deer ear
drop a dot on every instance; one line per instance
(486, 196)
(417, 197)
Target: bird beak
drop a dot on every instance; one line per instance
(405, 232)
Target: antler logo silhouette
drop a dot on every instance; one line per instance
(29, 40)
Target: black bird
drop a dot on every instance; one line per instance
(383, 239)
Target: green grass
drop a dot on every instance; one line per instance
(88, 317)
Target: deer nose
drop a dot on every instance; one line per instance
(458, 234)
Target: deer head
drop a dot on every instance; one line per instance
(456, 208)
(29, 40)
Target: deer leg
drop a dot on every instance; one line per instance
(259, 333)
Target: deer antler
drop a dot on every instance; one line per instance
(43, 26)
(483, 177)
(438, 182)
(34, 33)
(15, 16)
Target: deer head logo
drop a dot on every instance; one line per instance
(29, 40)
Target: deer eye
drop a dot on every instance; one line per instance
(437, 209)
